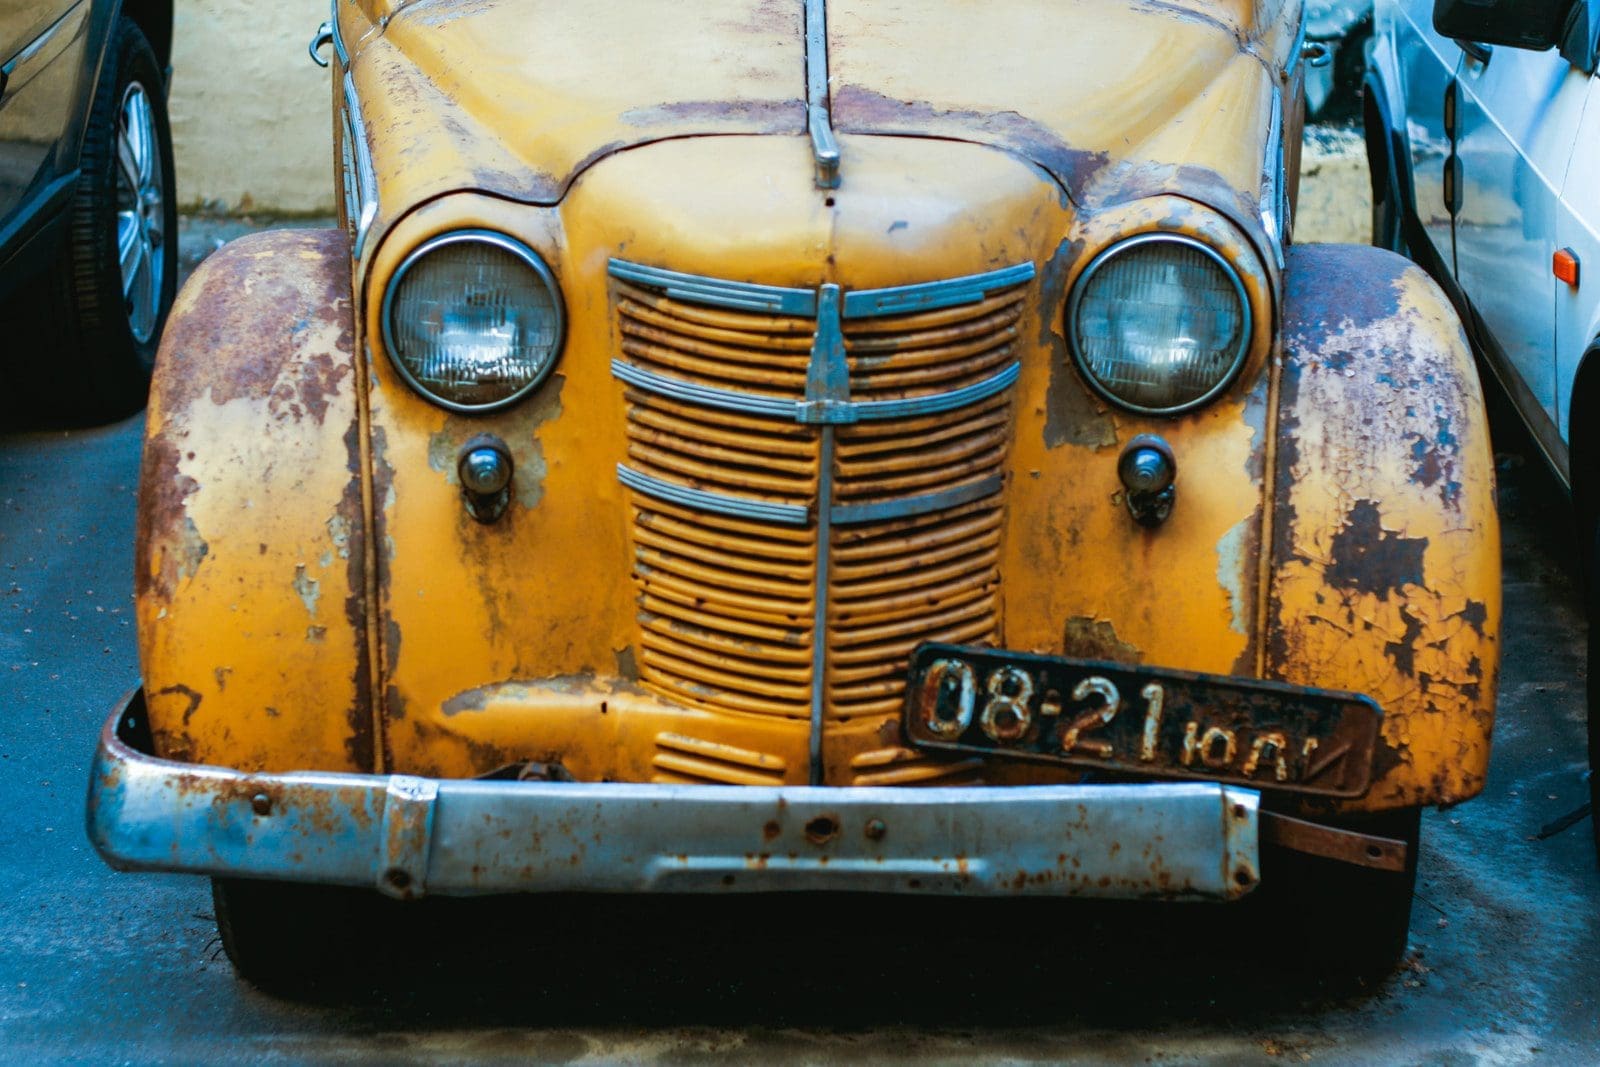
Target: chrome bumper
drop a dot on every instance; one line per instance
(412, 836)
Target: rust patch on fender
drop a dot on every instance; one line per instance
(1087, 638)
(351, 515)
(253, 444)
(232, 296)
(163, 522)
(1385, 566)
(1371, 559)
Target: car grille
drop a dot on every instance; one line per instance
(754, 506)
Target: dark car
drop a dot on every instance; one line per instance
(88, 216)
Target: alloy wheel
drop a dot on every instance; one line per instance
(141, 212)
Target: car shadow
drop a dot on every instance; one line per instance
(841, 962)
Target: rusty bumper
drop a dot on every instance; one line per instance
(410, 836)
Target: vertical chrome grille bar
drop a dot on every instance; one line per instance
(827, 389)
(819, 624)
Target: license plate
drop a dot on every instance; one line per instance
(1140, 720)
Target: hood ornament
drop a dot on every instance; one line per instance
(824, 145)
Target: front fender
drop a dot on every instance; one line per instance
(1385, 546)
(251, 557)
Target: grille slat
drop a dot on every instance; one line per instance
(725, 330)
(768, 381)
(934, 370)
(655, 537)
(705, 473)
(681, 758)
(905, 766)
(743, 605)
(763, 661)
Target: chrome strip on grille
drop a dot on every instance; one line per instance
(699, 499)
(827, 392)
(929, 296)
(819, 622)
(908, 506)
(858, 303)
(826, 411)
(706, 395)
(743, 296)
(934, 403)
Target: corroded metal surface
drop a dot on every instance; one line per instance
(1144, 721)
(411, 836)
(251, 552)
(1313, 839)
(464, 646)
(1386, 548)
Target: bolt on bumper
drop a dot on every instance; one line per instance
(410, 836)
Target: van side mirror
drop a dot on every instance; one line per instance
(1532, 24)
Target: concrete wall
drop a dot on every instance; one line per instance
(251, 115)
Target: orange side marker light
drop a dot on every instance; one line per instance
(1564, 264)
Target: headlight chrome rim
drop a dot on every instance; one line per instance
(1126, 244)
(506, 243)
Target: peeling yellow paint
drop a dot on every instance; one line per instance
(1328, 528)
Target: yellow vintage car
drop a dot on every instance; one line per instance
(809, 445)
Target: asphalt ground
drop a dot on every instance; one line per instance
(99, 967)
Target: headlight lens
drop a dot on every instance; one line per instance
(473, 320)
(1160, 323)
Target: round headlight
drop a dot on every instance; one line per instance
(1160, 323)
(473, 320)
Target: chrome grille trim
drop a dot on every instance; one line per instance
(819, 621)
(700, 500)
(697, 289)
(861, 488)
(930, 296)
(858, 303)
(825, 412)
(935, 403)
(910, 506)
(705, 395)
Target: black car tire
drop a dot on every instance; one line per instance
(295, 940)
(1348, 920)
(88, 361)
(1592, 685)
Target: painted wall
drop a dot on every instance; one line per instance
(251, 118)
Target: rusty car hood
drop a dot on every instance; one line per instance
(532, 93)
